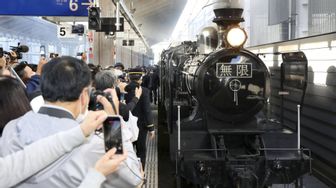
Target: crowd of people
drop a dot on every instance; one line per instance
(51, 121)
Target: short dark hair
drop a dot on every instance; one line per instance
(119, 64)
(20, 70)
(64, 78)
(13, 100)
(105, 79)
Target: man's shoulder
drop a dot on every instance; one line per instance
(34, 126)
(71, 168)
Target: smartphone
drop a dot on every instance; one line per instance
(112, 134)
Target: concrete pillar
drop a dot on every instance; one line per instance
(103, 48)
(302, 23)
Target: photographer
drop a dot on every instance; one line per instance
(106, 79)
(65, 87)
(16, 53)
(51, 147)
(31, 79)
(12, 58)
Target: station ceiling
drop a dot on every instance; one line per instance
(157, 18)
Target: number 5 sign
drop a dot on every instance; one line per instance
(64, 31)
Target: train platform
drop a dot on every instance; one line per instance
(151, 168)
(234, 74)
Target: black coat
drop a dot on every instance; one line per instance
(154, 81)
(142, 109)
(145, 81)
(125, 108)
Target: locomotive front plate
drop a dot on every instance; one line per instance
(241, 70)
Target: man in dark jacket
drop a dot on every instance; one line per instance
(142, 110)
(145, 79)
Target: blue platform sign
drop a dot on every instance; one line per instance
(45, 7)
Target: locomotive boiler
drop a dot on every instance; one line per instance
(214, 97)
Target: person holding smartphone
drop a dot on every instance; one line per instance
(65, 86)
(40, 154)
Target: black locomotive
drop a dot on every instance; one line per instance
(215, 103)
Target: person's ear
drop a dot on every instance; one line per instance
(84, 97)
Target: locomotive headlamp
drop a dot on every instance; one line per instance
(236, 37)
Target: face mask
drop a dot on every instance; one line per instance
(81, 115)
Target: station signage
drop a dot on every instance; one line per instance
(45, 7)
(65, 31)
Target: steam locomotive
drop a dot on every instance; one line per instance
(214, 97)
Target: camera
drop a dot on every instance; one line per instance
(18, 50)
(94, 105)
(53, 55)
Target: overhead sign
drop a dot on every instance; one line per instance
(65, 31)
(46, 7)
(109, 25)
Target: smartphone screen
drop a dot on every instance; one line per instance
(112, 134)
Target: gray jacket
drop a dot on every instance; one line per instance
(70, 169)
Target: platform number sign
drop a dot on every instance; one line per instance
(240, 70)
(74, 4)
(64, 31)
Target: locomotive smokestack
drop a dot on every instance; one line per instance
(225, 18)
(228, 16)
(227, 13)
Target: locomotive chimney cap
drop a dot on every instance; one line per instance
(228, 16)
